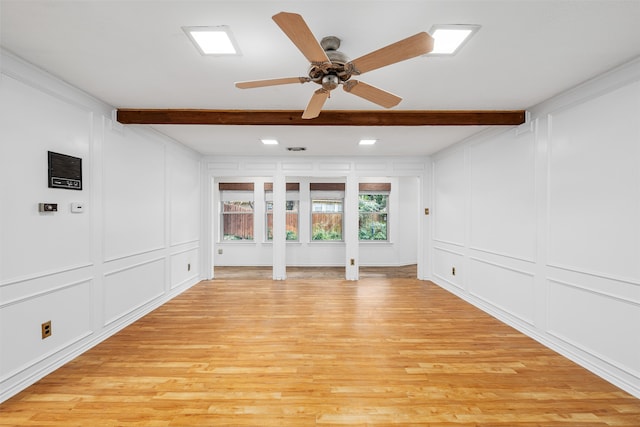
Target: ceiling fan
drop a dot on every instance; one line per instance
(331, 68)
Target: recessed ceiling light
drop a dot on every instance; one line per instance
(367, 141)
(269, 141)
(448, 39)
(213, 40)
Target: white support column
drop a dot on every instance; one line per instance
(425, 208)
(279, 227)
(210, 223)
(351, 228)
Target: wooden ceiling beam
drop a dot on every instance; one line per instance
(326, 118)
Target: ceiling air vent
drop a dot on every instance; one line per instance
(296, 148)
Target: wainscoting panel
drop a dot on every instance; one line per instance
(49, 242)
(134, 195)
(128, 289)
(184, 266)
(185, 197)
(596, 323)
(450, 196)
(68, 307)
(594, 185)
(449, 265)
(503, 202)
(508, 289)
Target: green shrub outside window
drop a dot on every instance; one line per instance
(373, 216)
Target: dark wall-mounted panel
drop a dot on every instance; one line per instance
(65, 171)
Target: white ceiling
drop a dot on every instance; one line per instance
(134, 54)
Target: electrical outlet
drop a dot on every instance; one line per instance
(453, 271)
(219, 251)
(189, 267)
(353, 261)
(46, 329)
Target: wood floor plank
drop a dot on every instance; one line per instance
(319, 351)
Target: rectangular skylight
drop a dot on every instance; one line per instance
(213, 40)
(448, 39)
(367, 141)
(266, 141)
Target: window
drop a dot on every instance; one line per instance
(236, 209)
(291, 210)
(373, 211)
(327, 200)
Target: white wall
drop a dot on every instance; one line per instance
(405, 218)
(541, 224)
(136, 245)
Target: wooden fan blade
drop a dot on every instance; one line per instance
(413, 46)
(371, 93)
(315, 104)
(271, 82)
(297, 30)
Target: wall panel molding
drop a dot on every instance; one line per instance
(132, 277)
(133, 266)
(130, 255)
(498, 288)
(190, 243)
(409, 166)
(449, 242)
(502, 254)
(70, 324)
(597, 343)
(39, 294)
(51, 354)
(369, 167)
(595, 273)
(260, 166)
(592, 187)
(41, 275)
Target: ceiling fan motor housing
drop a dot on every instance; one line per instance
(330, 75)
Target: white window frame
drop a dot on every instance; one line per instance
(291, 196)
(236, 196)
(327, 195)
(375, 192)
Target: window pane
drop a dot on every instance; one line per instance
(291, 220)
(372, 212)
(326, 219)
(326, 205)
(237, 220)
(237, 207)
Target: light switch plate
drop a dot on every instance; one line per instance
(47, 207)
(77, 207)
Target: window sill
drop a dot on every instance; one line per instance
(288, 242)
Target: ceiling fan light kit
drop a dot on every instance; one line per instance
(331, 68)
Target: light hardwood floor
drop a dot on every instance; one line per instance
(327, 352)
